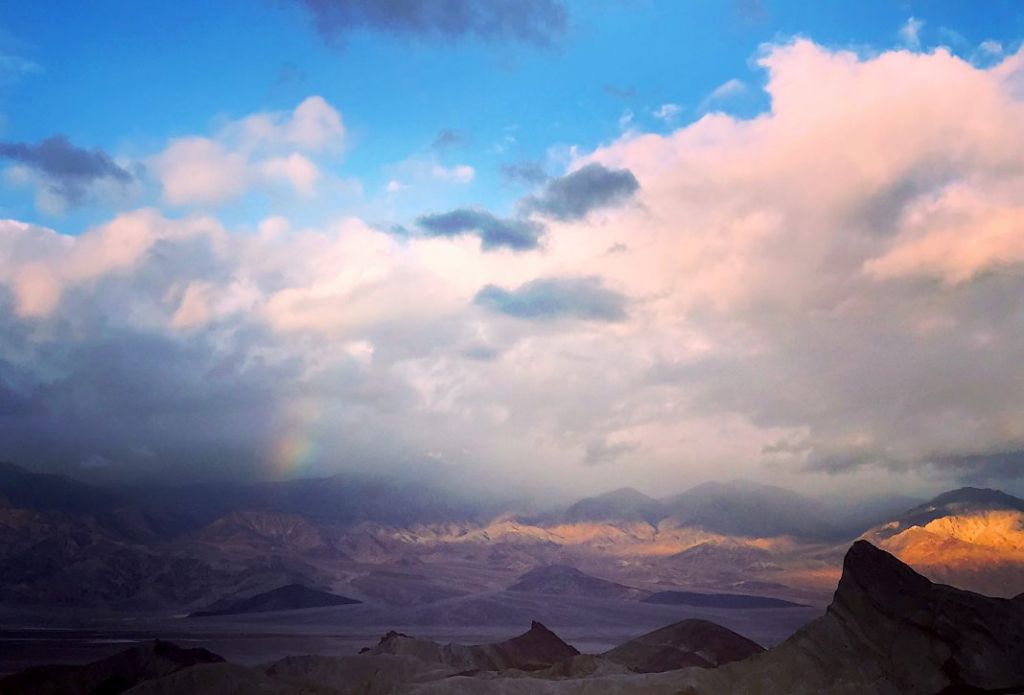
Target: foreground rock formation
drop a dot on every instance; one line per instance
(686, 643)
(533, 650)
(115, 674)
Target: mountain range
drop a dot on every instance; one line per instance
(67, 543)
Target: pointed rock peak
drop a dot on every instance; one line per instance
(865, 560)
(538, 632)
(172, 652)
(874, 574)
(539, 639)
(539, 627)
(391, 636)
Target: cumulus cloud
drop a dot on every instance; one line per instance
(313, 126)
(494, 232)
(201, 171)
(551, 298)
(538, 22)
(263, 148)
(591, 187)
(811, 278)
(295, 169)
(832, 286)
(68, 171)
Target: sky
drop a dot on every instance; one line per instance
(548, 245)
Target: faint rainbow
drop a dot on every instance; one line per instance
(295, 449)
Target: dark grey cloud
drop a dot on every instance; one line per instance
(984, 468)
(494, 232)
(540, 22)
(447, 138)
(573, 196)
(69, 170)
(530, 173)
(551, 298)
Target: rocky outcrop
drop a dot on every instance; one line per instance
(889, 630)
(114, 674)
(535, 649)
(687, 643)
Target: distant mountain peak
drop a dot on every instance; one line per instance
(964, 500)
(749, 509)
(624, 504)
(569, 581)
(283, 598)
(980, 496)
(625, 493)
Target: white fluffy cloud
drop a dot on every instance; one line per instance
(201, 171)
(261, 149)
(835, 284)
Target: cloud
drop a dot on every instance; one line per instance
(600, 452)
(831, 290)
(626, 120)
(265, 148)
(986, 468)
(667, 112)
(910, 32)
(43, 266)
(991, 47)
(552, 298)
(312, 126)
(723, 92)
(459, 173)
(295, 169)
(591, 187)
(16, 66)
(448, 138)
(954, 237)
(494, 232)
(540, 22)
(68, 171)
(529, 173)
(856, 268)
(200, 171)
